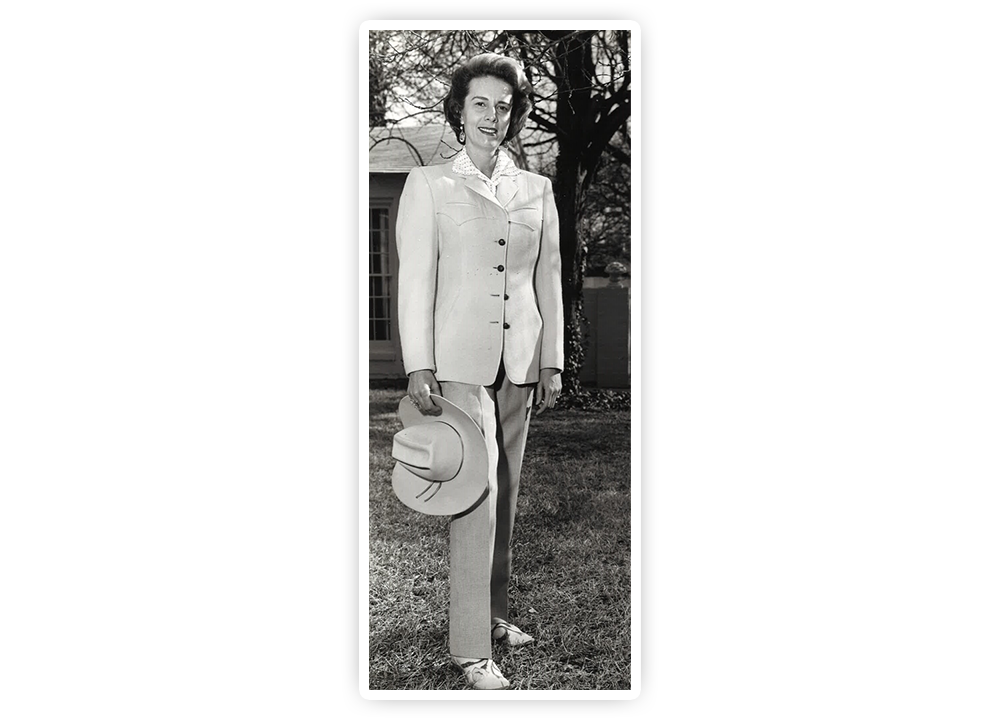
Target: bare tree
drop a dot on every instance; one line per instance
(378, 83)
(605, 218)
(590, 72)
(577, 130)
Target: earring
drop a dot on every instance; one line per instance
(461, 136)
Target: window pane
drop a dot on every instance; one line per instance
(378, 268)
(376, 243)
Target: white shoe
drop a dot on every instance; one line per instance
(481, 673)
(510, 634)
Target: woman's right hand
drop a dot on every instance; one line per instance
(422, 384)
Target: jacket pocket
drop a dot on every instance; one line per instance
(461, 212)
(527, 216)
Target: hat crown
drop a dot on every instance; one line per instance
(432, 451)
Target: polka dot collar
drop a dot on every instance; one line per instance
(504, 167)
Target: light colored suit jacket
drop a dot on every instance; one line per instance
(479, 276)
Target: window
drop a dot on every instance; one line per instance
(379, 276)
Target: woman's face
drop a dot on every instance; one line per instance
(486, 113)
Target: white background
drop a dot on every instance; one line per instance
(178, 456)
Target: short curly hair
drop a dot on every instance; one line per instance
(492, 65)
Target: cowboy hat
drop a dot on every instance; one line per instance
(441, 460)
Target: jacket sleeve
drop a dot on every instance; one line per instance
(548, 284)
(416, 245)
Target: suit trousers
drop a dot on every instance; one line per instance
(480, 538)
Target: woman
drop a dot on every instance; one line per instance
(481, 324)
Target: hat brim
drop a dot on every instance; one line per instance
(469, 484)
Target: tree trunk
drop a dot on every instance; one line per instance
(566, 187)
(573, 106)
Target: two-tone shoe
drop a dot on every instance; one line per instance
(481, 673)
(510, 635)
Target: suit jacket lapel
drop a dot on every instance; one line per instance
(478, 186)
(506, 190)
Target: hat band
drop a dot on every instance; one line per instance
(430, 485)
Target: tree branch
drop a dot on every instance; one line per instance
(600, 139)
(413, 148)
(551, 139)
(618, 154)
(543, 123)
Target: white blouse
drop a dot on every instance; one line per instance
(463, 165)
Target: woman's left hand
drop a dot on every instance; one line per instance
(548, 389)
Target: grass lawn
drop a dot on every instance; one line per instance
(571, 584)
